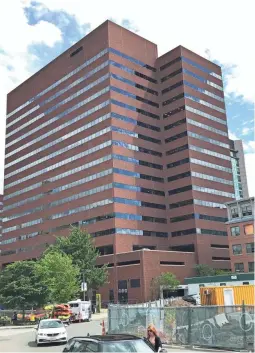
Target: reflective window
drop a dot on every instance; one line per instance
(133, 72)
(210, 165)
(204, 91)
(209, 204)
(206, 127)
(237, 249)
(179, 190)
(23, 202)
(202, 79)
(235, 231)
(135, 122)
(78, 69)
(131, 95)
(181, 204)
(138, 175)
(173, 99)
(55, 84)
(246, 210)
(174, 111)
(134, 84)
(171, 75)
(138, 110)
(200, 67)
(172, 87)
(176, 137)
(209, 152)
(239, 267)
(198, 216)
(184, 232)
(170, 63)
(177, 123)
(46, 123)
(59, 93)
(179, 176)
(177, 163)
(212, 178)
(177, 149)
(134, 134)
(207, 139)
(130, 232)
(201, 101)
(214, 232)
(212, 191)
(68, 99)
(249, 248)
(206, 115)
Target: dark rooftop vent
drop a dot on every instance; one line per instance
(76, 51)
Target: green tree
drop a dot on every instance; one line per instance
(206, 270)
(79, 245)
(167, 280)
(59, 275)
(21, 286)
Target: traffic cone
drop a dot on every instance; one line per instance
(103, 328)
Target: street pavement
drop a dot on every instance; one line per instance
(23, 340)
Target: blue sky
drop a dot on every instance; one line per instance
(49, 27)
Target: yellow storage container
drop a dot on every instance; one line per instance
(227, 295)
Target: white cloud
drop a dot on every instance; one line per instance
(245, 131)
(16, 36)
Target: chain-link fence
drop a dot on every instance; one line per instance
(228, 327)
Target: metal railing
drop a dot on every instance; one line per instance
(228, 327)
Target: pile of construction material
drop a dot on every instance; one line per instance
(179, 302)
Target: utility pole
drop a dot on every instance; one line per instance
(83, 280)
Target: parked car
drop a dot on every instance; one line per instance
(108, 343)
(50, 331)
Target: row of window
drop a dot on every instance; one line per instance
(248, 230)
(78, 69)
(174, 111)
(238, 249)
(209, 152)
(198, 216)
(107, 202)
(133, 96)
(59, 93)
(205, 115)
(206, 127)
(203, 102)
(21, 237)
(135, 109)
(90, 151)
(196, 202)
(128, 231)
(239, 267)
(192, 74)
(177, 123)
(23, 225)
(207, 139)
(200, 189)
(198, 231)
(191, 62)
(202, 79)
(66, 100)
(199, 162)
(131, 83)
(126, 216)
(26, 249)
(244, 211)
(202, 90)
(177, 149)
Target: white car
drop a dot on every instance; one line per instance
(50, 331)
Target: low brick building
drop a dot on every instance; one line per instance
(240, 228)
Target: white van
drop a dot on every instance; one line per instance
(81, 310)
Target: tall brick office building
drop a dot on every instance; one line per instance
(131, 146)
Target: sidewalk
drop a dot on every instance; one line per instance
(95, 317)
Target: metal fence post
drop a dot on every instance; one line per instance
(244, 326)
(189, 326)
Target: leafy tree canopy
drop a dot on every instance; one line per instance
(59, 275)
(166, 279)
(206, 270)
(21, 286)
(79, 246)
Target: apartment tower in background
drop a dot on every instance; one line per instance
(131, 146)
(239, 169)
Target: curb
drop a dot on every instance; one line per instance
(195, 348)
(16, 327)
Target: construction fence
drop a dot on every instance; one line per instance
(226, 327)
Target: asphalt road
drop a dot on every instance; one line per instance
(23, 340)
